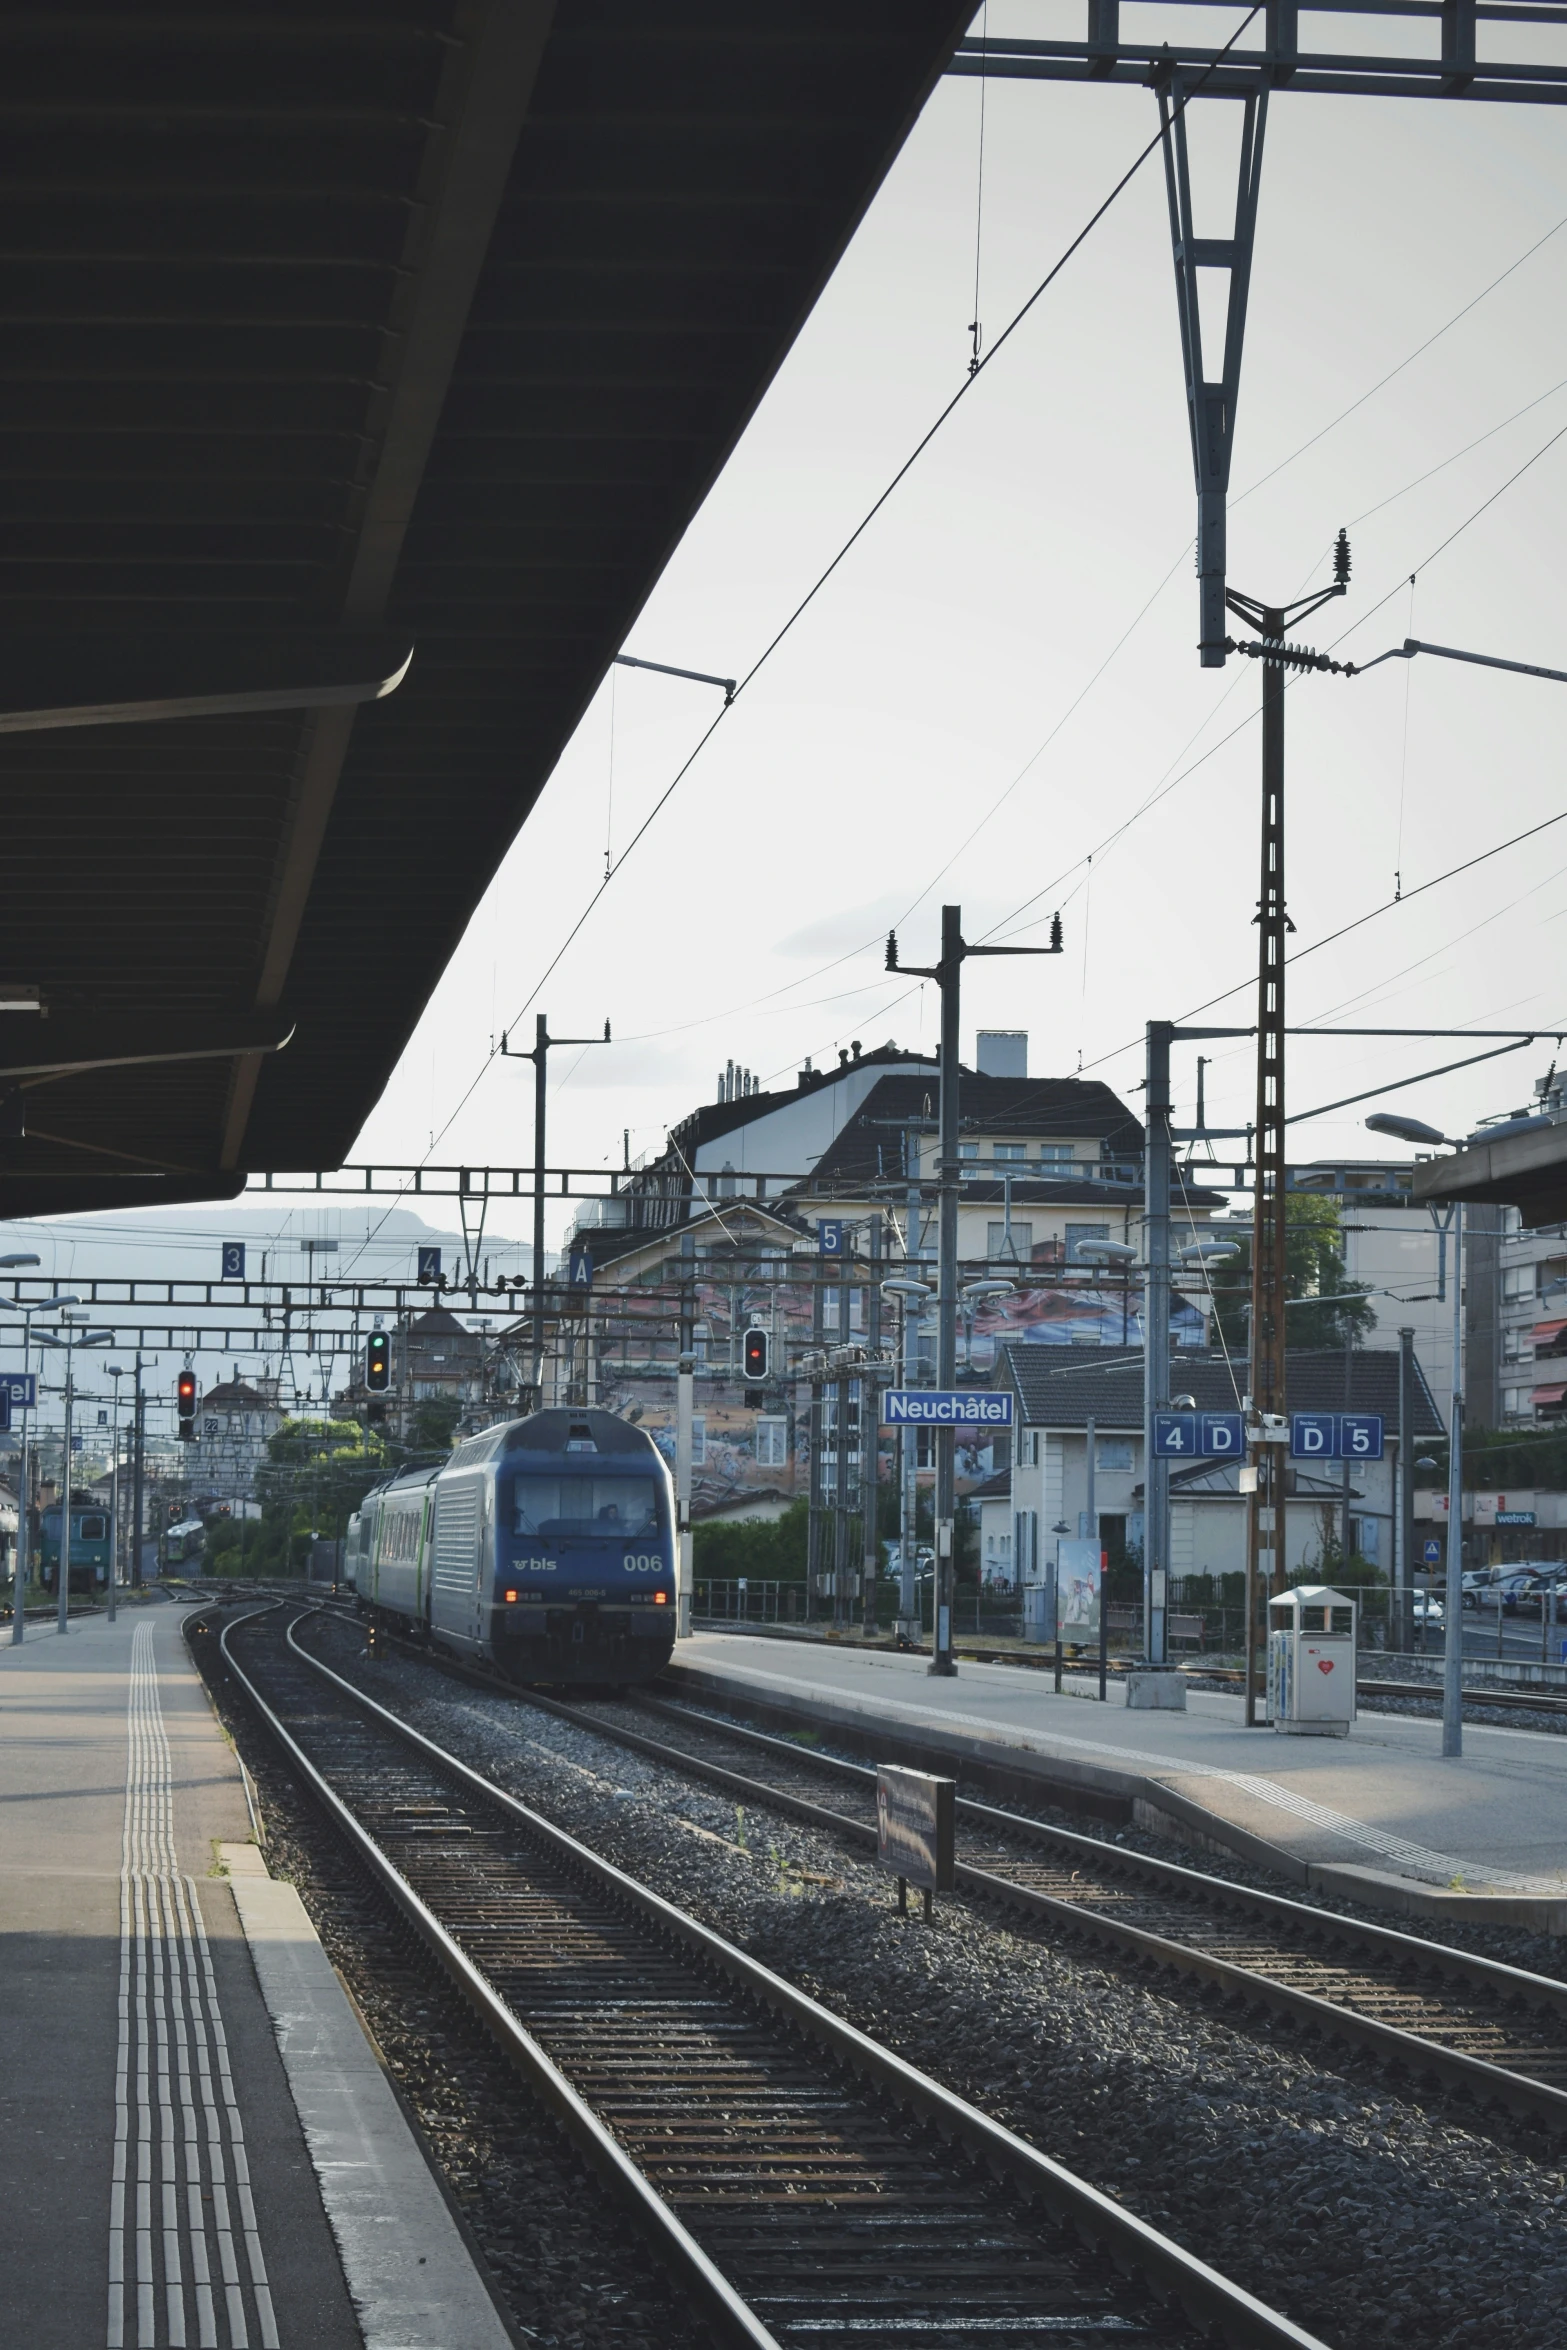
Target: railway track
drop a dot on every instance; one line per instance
(1497, 2033)
(806, 2184)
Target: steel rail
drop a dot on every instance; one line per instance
(1492, 2083)
(717, 2297)
(1208, 2298)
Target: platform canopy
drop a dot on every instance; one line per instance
(361, 364)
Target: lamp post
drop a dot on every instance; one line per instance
(911, 1295)
(70, 1342)
(16, 1264)
(50, 1305)
(1058, 1529)
(116, 1373)
(1415, 1130)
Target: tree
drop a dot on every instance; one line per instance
(1314, 1268)
(435, 1423)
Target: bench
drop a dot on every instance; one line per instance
(1185, 1628)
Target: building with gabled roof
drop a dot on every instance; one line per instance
(1057, 1392)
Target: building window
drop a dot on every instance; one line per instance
(1008, 1153)
(1515, 1400)
(772, 1444)
(968, 1152)
(1055, 1154)
(1518, 1281)
(1076, 1234)
(1018, 1243)
(1114, 1454)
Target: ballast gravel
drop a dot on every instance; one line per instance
(1304, 2175)
(563, 2263)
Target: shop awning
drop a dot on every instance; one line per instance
(1549, 1394)
(1547, 1333)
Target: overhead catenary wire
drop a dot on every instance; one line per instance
(846, 549)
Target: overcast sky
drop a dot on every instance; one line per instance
(1001, 679)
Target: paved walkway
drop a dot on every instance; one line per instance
(152, 2156)
(1496, 1818)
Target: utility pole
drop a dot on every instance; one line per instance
(1266, 1382)
(1453, 1607)
(1156, 1334)
(815, 1489)
(870, 1436)
(948, 974)
(840, 1491)
(1404, 1584)
(685, 1410)
(138, 1469)
(542, 1042)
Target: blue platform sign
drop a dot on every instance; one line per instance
(5, 1409)
(20, 1389)
(429, 1264)
(579, 1269)
(1175, 1436)
(946, 1407)
(830, 1241)
(1194, 1436)
(233, 1261)
(1336, 1436)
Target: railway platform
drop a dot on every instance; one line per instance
(195, 2131)
(1378, 1816)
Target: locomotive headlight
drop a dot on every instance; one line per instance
(511, 1594)
(661, 1599)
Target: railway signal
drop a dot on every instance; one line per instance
(755, 1354)
(378, 1362)
(186, 1399)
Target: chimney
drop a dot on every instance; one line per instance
(1001, 1052)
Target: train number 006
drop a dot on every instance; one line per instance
(641, 1562)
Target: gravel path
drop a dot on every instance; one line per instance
(566, 2266)
(1370, 2219)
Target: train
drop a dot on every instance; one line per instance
(89, 1547)
(544, 1546)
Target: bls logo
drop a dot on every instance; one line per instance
(535, 1566)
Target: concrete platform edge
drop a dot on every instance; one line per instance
(1114, 1794)
(410, 2274)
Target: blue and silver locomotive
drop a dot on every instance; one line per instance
(546, 1546)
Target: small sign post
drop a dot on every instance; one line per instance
(916, 1831)
(233, 1261)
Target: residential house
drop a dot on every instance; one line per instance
(1056, 1395)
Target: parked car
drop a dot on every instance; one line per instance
(1547, 1588)
(1502, 1591)
(1427, 1608)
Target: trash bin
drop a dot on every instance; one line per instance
(1311, 1661)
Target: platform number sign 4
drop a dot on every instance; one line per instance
(429, 1264)
(1192, 1436)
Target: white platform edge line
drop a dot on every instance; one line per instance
(409, 2274)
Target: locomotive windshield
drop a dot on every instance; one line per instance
(610, 1506)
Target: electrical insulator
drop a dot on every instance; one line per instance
(892, 950)
(378, 1362)
(1341, 560)
(755, 1349)
(1055, 934)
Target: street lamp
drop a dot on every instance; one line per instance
(71, 1341)
(48, 1305)
(116, 1373)
(1415, 1130)
(911, 1295)
(14, 1264)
